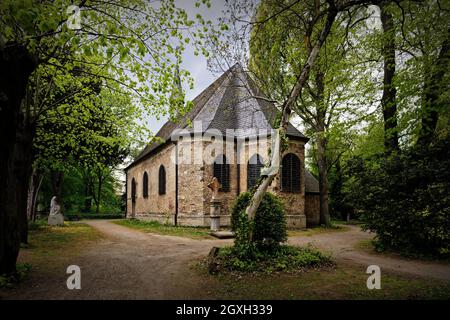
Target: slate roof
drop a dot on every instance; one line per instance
(311, 183)
(230, 102)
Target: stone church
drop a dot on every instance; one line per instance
(227, 134)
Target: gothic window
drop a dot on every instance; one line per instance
(222, 172)
(162, 180)
(133, 190)
(145, 185)
(254, 170)
(290, 173)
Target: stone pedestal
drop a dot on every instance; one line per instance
(56, 220)
(215, 214)
(296, 221)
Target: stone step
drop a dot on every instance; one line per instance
(222, 234)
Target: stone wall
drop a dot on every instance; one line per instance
(161, 205)
(191, 183)
(312, 209)
(193, 193)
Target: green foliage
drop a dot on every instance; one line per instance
(80, 122)
(77, 195)
(135, 44)
(269, 226)
(284, 258)
(340, 81)
(36, 225)
(405, 199)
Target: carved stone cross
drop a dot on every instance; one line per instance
(214, 185)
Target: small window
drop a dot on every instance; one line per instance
(145, 185)
(162, 180)
(290, 173)
(222, 172)
(254, 166)
(133, 190)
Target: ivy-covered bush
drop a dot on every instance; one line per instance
(285, 258)
(269, 226)
(265, 252)
(405, 199)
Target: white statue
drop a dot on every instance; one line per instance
(55, 208)
(55, 217)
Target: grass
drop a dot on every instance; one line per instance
(165, 229)
(316, 230)
(56, 242)
(49, 248)
(203, 233)
(341, 282)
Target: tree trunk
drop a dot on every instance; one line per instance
(33, 192)
(433, 89)
(323, 178)
(87, 190)
(388, 100)
(99, 190)
(57, 182)
(87, 197)
(321, 143)
(286, 110)
(16, 66)
(23, 171)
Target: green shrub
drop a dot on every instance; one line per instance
(35, 225)
(405, 199)
(269, 226)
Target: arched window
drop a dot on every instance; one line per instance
(255, 163)
(162, 180)
(133, 190)
(290, 173)
(222, 172)
(145, 185)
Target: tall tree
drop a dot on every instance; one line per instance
(389, 98)
(335, 85)
(324, 15)
(422, 75)
(128, 39)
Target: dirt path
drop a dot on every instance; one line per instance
(129, 264)
(342, 246)
(146, 266)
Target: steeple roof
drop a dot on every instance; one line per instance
(233, 101)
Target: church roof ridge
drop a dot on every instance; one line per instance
(232, 101)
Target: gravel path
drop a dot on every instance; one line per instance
(130, 264)
(342, 246)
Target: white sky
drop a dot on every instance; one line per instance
(196, 65)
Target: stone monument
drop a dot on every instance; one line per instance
(215, 204)
(55, 218)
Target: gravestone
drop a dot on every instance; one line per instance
(55, 218)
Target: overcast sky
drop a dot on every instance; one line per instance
(196, 65)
